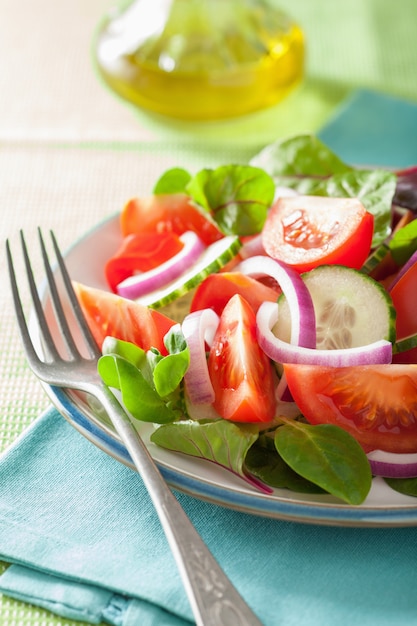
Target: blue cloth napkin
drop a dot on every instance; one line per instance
(374, 129)
(85, 543)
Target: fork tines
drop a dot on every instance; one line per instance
(57, 294)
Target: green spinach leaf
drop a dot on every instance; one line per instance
(267, 465)
(299, 157)
(237, 196)
(219, 441)
(307, 165)
(142, 402)
(404, 243)
(168, 371)
(174, 180)
(407, 486)
(374, 188)
(327, 456)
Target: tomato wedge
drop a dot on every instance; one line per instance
(110, 315)
(307, 231)
(216, 290)
(140, 252)
(168, 213)
(403, 298)
(377, 404)
(240, 372)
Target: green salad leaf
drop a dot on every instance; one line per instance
(174, 180)
(404, 243)
(168, 371)
(374, 188)
(297, 159)
(264, 462)
(307, 165)
(219, 441)
(406, 486)
(327, 456)
(237, 196)
(149, 382)
(142, 402)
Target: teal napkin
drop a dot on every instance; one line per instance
(86, 544)
(374, 129)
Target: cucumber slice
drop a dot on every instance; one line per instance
(211, 260)
(405, 344)
(375, 258)
(352, 309)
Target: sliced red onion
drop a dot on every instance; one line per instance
(146, 282)
(252, 247)
(303, 319)
(282, 392)
(198, 329)
(198, 412)
(287, 408)
(378, 352)
(392, 465)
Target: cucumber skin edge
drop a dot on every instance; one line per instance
(213, 267)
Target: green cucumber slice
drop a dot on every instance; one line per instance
(405, 344)
(212, 259)
(351, 309)
(375, 258)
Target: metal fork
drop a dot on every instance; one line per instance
(213, 598)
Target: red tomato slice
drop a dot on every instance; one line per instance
(239, 370)
(307, 231)
(168, 213)
(141, 252)
(216, 290)
(403, 298)
(109, 314)
(376, 403)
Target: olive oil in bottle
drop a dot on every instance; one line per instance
(200, 59)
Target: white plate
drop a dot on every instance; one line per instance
(202, 479)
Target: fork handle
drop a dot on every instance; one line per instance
(213, 598)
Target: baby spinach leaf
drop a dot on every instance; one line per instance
(307, 165)
(407, 486)
(139, 398)
(174, 180)
(374, 188)
(328, 456)
(126, 349)
(238, 197)
(169, 370)
(404, 243)
(196, 188)
(131, 352)
(270, 467)
(149, 381)
(219, 441)
(299, 157)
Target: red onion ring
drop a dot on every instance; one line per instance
(378, 352)
(146, 282)
(198, 329)
(392, 465)
(303, 319)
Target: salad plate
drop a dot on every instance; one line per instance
(202, 479)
